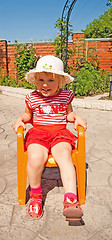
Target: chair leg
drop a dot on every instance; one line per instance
(22, 177)
(81, 181)
(81, 165)
(79, 161)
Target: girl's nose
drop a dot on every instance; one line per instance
(45, 85)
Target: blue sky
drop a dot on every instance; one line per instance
(34, 20)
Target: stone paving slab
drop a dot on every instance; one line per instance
(15, 222)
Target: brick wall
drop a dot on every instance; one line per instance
(11, 49)
(100, 48)
(3, 57)
(104, 52)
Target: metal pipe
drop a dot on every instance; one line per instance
(110, 79)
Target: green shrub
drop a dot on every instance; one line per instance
(89, 81)
(7, 81)
(25, 59)
(11, 82)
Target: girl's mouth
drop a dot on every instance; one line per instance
(45, 90)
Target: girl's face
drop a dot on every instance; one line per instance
(46, 84)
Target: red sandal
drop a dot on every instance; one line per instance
(35, 206)
(72, 210)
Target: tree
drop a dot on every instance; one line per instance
(100, 28)
(108, 2)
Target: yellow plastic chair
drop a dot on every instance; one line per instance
(78, 158)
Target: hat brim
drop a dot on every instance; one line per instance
(30, 76)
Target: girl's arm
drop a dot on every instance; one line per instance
(75, 118)
(23, 119)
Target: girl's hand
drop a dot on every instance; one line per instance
(80, 121)
(26, 117)
(19, 123)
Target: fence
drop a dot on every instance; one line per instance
(100, 48)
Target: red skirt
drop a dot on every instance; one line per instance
(49, 136)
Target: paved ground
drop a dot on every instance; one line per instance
(14, 220)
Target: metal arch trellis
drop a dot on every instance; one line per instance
(66, 16)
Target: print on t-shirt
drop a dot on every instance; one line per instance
(51, 108)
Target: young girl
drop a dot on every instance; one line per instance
(49, 108)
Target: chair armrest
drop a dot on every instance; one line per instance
(81, 140)
(81, 149)
(20, 139)
(20, 131)
(80, 130)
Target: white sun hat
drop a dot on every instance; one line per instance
(49, 64)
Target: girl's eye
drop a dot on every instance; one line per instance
(41, 80)
(51, 80)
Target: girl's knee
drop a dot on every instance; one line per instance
(35, 163)
(37, 158)
(62, 148)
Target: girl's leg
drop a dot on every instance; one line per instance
(37, 156)
(62, 155)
